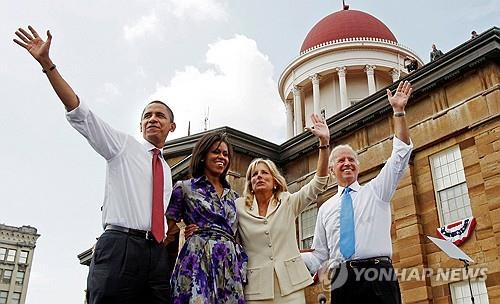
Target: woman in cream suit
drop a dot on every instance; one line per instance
(267, 214)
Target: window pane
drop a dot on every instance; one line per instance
(16, 298)
(445, 171)
(23, 257)
(11, 255)
(3, 297)
(307, 243)
(450, 186)
(20, 278)
(3, 253)
(439, 172)
(443, 160)
(460, 292)
(7, 275)
(307, 224)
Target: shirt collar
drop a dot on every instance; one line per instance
(354, 187)
(149, 146)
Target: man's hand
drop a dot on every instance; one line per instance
(35, 45)
(400, 98)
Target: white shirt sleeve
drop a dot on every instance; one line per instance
(105, 140)
(386, 182)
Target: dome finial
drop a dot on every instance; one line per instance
(346, 6)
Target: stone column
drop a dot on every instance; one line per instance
(344, 103)
(316, 95)
(297, 109)
(370, 75)
(289, 118)
(395, 75)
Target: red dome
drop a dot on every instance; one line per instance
(346, 24)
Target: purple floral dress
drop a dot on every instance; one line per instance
(211, 266)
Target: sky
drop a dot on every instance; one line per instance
(219, 59)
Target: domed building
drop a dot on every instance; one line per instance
(345, 57)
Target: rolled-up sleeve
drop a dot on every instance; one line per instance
(385, 184)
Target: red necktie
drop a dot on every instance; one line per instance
(157, 221)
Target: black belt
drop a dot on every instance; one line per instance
(216, 231)
(362, 263)
(135, 232)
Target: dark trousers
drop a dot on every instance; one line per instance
(365, 283)
(128, 269)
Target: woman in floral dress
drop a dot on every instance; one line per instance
(211, 266)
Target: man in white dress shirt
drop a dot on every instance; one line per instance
(353, 227)
(130, 263)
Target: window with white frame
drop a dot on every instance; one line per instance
(23, 257)
(3, 296)
(307, 222)
(460, 292)
(451, 188)
(3, 253)
(11, 255)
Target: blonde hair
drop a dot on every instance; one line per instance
(278, 179)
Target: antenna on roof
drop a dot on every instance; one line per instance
(189, 127)
(206, 119)
(345, 6)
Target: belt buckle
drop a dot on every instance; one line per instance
(377, 261)
(351, 265)
(147, 235)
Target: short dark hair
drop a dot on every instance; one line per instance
(200, 151)
(170, 113)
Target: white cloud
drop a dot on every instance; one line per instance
(199, 10)
(108, 92)
(238, 88)
(182, 10)
(111, 89)
(145, 25)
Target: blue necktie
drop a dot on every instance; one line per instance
(347, 239)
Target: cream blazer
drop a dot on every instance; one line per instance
(271, 244)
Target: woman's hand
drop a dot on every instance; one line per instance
(190, 230)
(320, 129)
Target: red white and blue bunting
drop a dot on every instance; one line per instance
(457, 232)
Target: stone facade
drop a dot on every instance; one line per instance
(17, 245)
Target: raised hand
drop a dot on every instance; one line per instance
(35, 45)
(400, 98)
(320, 128)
